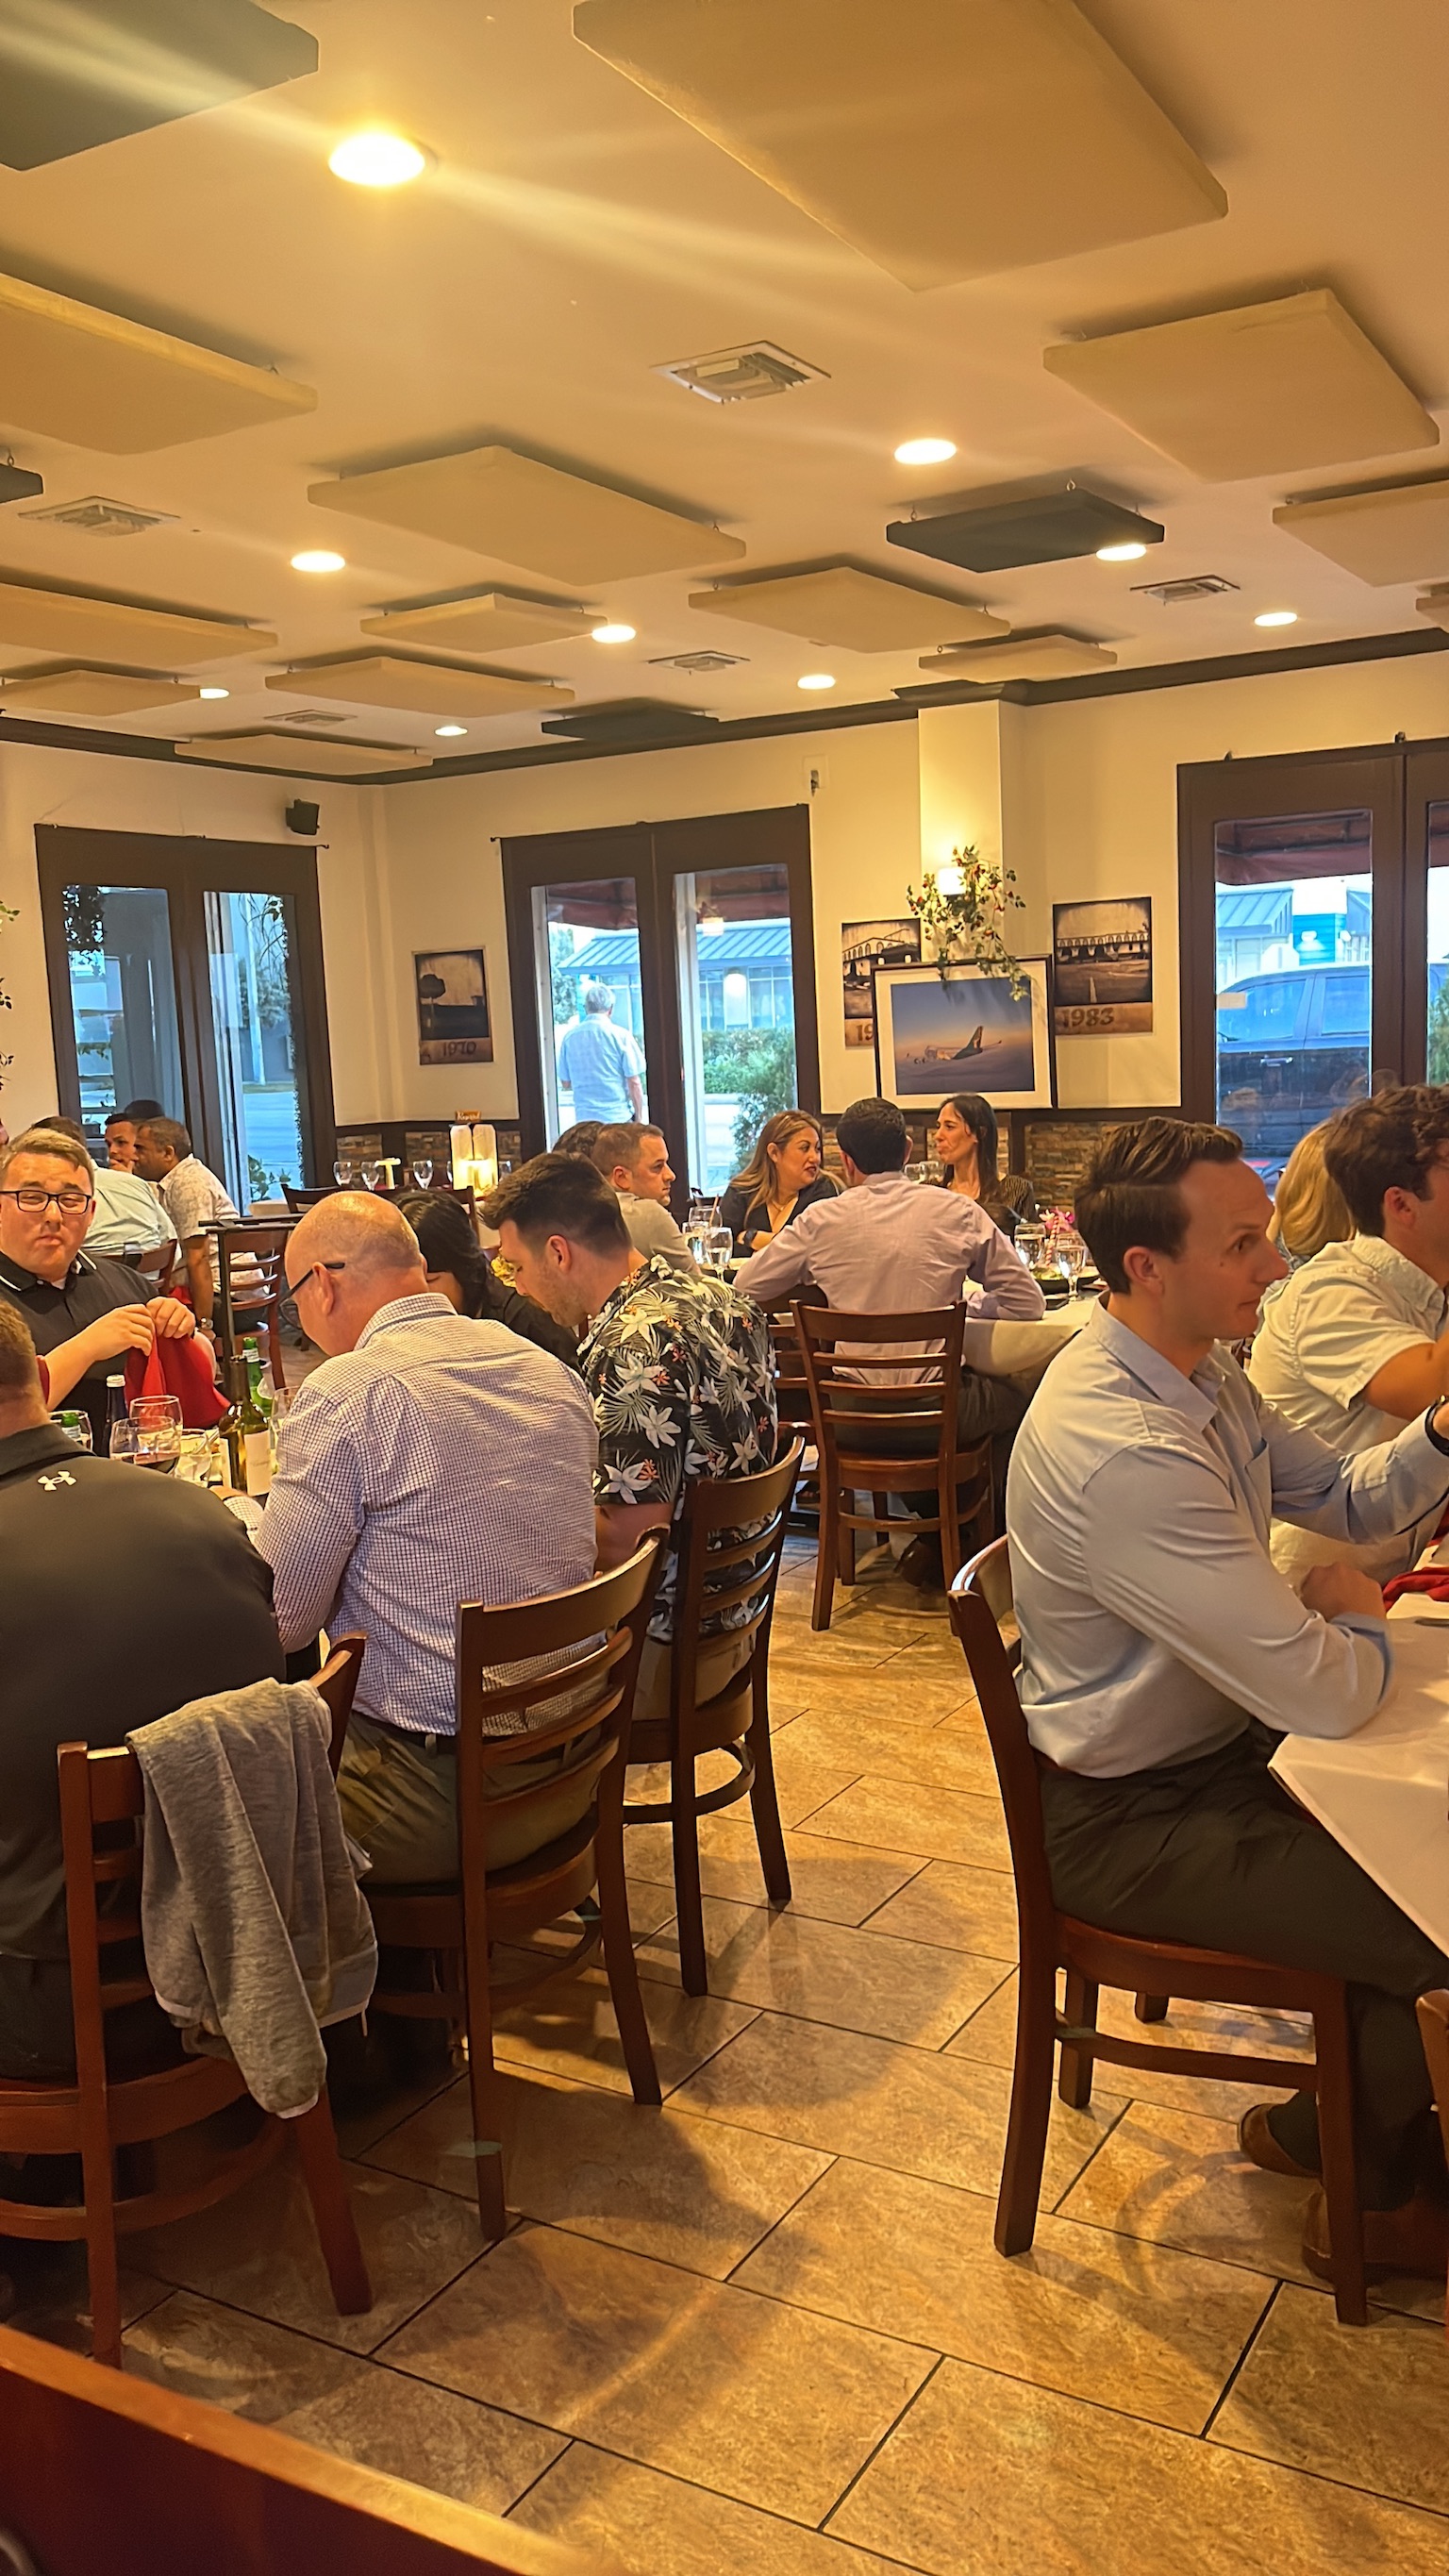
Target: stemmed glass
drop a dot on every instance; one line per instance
(342, 1174)
(156, 1422)
(370, 1174)
(1070, 1254)
(422, 1171)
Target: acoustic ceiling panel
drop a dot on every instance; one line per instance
(75, 76)
(493, 621)
(69, 371)
(950, 140)
(76, 692)
(498, 503)
(625, 720)
(1434, 604)
(1044, 527)
(1396, 532)
(1260, 389)
(65, 621)
(1048, 656)
(866, 612)
(424, 688)
(303, 755)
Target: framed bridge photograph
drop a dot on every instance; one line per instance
(937, 1036)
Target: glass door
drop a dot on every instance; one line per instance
(734, 960)
(1294, 940)
(589, 998)
(121, 980)
(257, 1020)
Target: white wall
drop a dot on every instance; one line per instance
(89, 791)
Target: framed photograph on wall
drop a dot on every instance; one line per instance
(865, 946)
(452, 994)
(966, 1032)
(1102, 967)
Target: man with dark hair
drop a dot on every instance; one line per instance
(1162, 1655)
(1354, 1344)
(635, 1162)
(887, 1247)
(193, 1198)
(679, 1371)
(128, 1215)
(580, 1139)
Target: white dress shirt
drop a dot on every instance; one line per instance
(444, 1460)
(195, 1199)
(1153, 1622)
(887, 1246)
(129, 1215)
(1324, 1336)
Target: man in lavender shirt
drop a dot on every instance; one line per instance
(886, 1246)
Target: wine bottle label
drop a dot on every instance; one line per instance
(259, 1462)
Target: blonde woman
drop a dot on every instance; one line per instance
(1309, 1209)
(782, 1178)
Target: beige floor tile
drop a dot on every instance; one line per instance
(1367, 2405)
(1173, 2178)
(687, 2191)
(858, 1635)
(830, 1972)
(961, 1909)
(633, 2519)
(989, 2037)
(258, 2251)
(988, 2477)
(908, 2108)
(1216, 2026)
(57, 2308)
(359, 2130)
(906, 1689)
(889, 1746)
(759, 2401)
(939, 1824)
(570, 2029)
(340, 2404)
(801, 1785)
(833, 1882)
(1142, 2329)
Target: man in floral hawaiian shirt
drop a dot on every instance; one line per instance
(679, 1370)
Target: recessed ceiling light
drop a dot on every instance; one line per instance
(926, 451)
(444, 731)
(817, 680)
(1277, 617)
(318, 559)
(376, 159)
(612, 632)
(1121, 554)
(214, 693)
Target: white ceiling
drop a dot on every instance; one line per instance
(573, 236)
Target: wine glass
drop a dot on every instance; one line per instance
(124, 1444)
(1070, 1253)
(342, 1172)
(1031, 1245)
(369, 1174)
(156, 1421)
(422, 1171)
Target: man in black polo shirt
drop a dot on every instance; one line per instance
(43, 1272)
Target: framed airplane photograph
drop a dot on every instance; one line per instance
(966, 1031)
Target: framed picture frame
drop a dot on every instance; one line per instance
(1102, 967)
(451, 986)
(936, 1036)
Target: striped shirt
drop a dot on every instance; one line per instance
(444, 1460)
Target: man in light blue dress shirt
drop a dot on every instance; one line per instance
(1163, 1654)
(601, 1065)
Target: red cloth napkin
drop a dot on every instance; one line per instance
(1433, 1583)
(177, 1368)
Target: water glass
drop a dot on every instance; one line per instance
(1070, 1253)
(718, 1246)
(76, 1426)
(124, 1444)
(370, 1174)
(1031, 1245)
(423, 1172)
(342, 1172)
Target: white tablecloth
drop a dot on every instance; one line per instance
(1024, 1350)
(1384, 1792)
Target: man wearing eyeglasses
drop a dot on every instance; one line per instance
(47, 1195)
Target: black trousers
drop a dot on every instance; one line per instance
(1215, 1854)
(37, 2036)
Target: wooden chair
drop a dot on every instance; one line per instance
(102, 1808)
(737, 1720)
(851, 1392)
(1433, 2012)
(105, 2475)
(462, 1920)
(1152, 1970)
(157, 1263)
(337, 1685)
(251, 1285)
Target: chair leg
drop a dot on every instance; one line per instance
(765, 1802)
(688, 1895)
(484, 2095)
(1333, 2049)
(845, 1538)
(1151, 2007)
(1075, 2081)
(619, 1960)
(98, 2183)
(825, 1550)
(1031, 2102)
(332, 2210)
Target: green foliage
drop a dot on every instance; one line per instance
(758, 1064)
(968, 927)
(1439, 1035)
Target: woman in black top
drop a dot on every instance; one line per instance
(459, 1268)
(779, 1182)
(968, 1143)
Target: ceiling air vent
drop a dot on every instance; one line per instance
(1195, 585)
(95, 516)
(743, 375)
(704, 660)
(313, 716)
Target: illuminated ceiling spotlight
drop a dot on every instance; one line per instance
(377, 159)
(926, 451)
(318, 559)
(1277, 617)
(214, 693)
(613, 631)
(816, 680)
(1132, 553)
(449, 732)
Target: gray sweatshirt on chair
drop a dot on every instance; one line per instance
(254, 1930)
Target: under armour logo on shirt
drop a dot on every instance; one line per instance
(50, 1482)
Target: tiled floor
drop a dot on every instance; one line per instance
(765, 2329)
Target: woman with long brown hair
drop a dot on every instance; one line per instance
(968, 1143)
(782, 1178)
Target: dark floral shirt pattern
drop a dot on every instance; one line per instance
(682, 1383)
